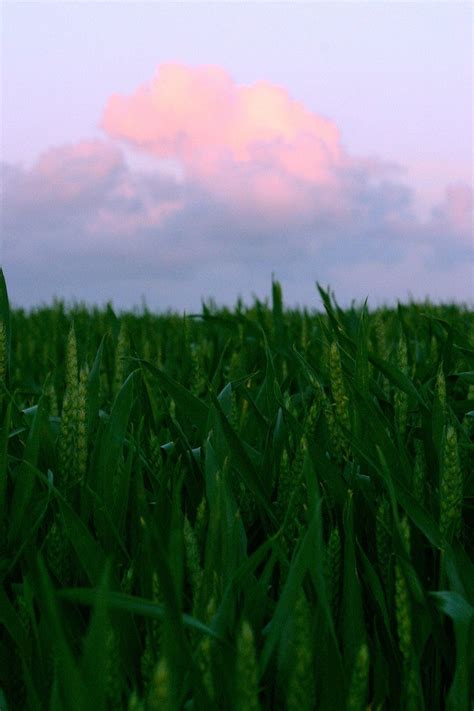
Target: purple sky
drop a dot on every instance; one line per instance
(182, 151)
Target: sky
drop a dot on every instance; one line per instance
(177, 152)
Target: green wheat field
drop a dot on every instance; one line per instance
(248, 508)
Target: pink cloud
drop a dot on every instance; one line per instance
(454, 215)
(87, 186)
(64, 176)
(247, 143)
(152, 214)
(458, 206)
(66, 172)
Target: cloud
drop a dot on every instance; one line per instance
(249, 146)
(86, 187)
(456, 212)
(210, 123)
(264, 184)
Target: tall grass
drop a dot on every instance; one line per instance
(254, 508)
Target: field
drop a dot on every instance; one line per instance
(254, 508)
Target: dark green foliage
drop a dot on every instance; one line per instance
(259, 508)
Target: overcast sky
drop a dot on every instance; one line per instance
(183, 151)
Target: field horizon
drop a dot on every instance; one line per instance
(209, 303)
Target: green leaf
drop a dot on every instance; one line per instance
(273, 398)
(132, 605)
(112, 441)
(24, 476)
(4, 433)
(459, 569)
(302, 562)
(93, 398)
(454, 605)
(241, 461)
(95, 652)
(330, 660)
(122, 499)
(87, 549)
(335, 323)
(395, 376)
(12, 624)
(71, 688)
(5, 315)
(375, 587)
(362, 357)
(191, 406)
(278, 319)
(459, 695)
(225, 399)
(353, 618)
(467, 375)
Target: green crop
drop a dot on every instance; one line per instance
(249, 508)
